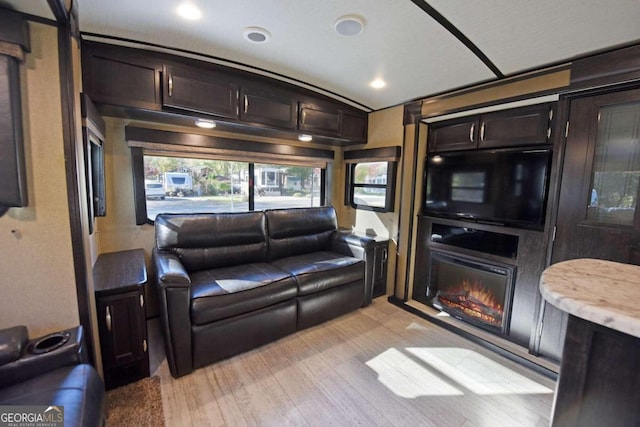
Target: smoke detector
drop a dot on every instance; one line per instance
(349, 25)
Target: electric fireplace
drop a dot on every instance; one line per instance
(472, 290)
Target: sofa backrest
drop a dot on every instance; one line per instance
(203, 241)
(300, 230)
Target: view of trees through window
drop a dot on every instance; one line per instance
(184, 185)
(370, 184)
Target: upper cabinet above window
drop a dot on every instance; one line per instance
(136, 83)
(529, 125)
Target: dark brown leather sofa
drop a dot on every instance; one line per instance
(50, 371)
(230, 282)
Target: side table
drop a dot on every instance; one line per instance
(119, 279)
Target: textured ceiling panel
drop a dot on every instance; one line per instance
(400, 43)
(519, 35)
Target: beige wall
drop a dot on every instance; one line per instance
(385, 130)
(37, 284)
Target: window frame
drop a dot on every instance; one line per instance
(389, 154)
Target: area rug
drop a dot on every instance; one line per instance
(136, 404)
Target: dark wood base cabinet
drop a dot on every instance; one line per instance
(599, 382)
(119, 279)
(381, 256)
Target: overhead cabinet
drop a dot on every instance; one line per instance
(268, 107)
(134, 80)
(513, 127)
(191, 89)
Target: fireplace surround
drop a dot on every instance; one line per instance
(471, 289)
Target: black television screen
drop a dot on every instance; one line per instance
(507, 187)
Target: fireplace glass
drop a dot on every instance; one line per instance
(472, 290)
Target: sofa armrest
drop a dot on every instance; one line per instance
(361, 247)
(12, 343)
(174, 298)
(31, 364)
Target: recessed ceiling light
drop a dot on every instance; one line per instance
(305, 138)
(349, 25)
(378, 84)
(256, 34)
(189, 11)
(205, 124)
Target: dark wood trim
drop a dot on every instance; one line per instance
(412, 113)
(390, 153)
(608, 68)
(139, 197)
(66, 16)
(416, 145)
(195, 140)
(89, 112)
(432, 12)
(222, 61)
(74, 198)
(486, 344)
(14, 29)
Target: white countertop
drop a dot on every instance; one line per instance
(602, 292)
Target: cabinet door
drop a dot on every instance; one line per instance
(120, 80)
(457, 134)
(319, 118)
(122, 328)
(200, 90)
(269, 107)
(518, 126)
(381, 255)
(598, 211)
(354, 126)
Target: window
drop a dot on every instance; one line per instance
(188, 185)
(371, 185)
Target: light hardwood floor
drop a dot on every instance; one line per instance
(378, 366)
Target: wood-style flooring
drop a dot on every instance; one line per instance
(378, 366)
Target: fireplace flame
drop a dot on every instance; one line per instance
(473, 300)
(479, 292)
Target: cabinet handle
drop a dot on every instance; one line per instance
(482, 132)
(385, 255)
(473, 127)
(108, 319)
(550, 114)
(246, 104)
(170, 85)
(548, 133)
(144, 345)
(141, 301)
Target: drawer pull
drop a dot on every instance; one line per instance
(473, 127)
(108, 319)
(246, 104)
(144, 345)
(482, 132)
(141, 301)
(170, 85)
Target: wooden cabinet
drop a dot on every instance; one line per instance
(124, 81)
(518, 126)
(269, 107)
(120, 77)
(332, 120)
(457, 134)
(529, 125)
(198, 90)
(380, 258)
(119, 278)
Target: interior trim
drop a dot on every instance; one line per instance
(497, 107)
(389, 154)
(429, 10)
(145, 135)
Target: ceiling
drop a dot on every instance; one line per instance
(457, 44)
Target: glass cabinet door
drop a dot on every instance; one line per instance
(615, 174)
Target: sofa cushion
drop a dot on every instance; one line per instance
(78, 388)
(204, 241)
(225, 292)
(299, 231)
(322, 270)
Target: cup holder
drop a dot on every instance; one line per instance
(49, 342)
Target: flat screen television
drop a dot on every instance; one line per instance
(505, 187)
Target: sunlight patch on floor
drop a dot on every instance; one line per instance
(407, 378)
(477, 373)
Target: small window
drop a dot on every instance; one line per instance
(372, 185)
